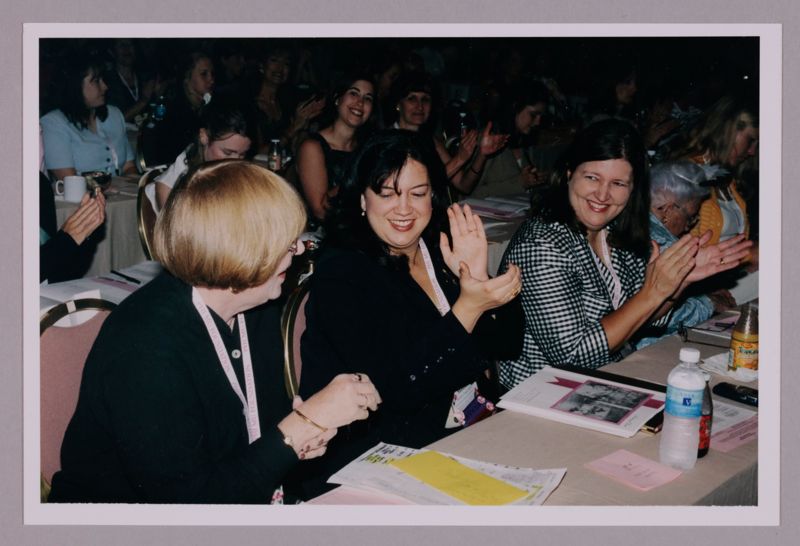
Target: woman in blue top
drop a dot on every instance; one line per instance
(84, 133)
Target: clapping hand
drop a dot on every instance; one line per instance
(723, 256)
(309, 110)
(666, 272)
(347, 398)
(483, 295)
(491, 144)
(469, 243)
(90, 214)
(466, 147)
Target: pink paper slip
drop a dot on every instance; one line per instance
(732, 437)
(633, 470)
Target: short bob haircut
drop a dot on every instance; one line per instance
(70, 99)
(681, 181)
(382, 157)
(607, 139)
(228, 224)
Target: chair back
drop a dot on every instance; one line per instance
(293, 324)
(146, 216)
(63, 352)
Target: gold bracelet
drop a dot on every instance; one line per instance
(309, 421)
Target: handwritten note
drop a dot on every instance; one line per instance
(732, 437)
(633, 470)
(457, 480)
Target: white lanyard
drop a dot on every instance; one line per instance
(249, 404)
(616, 292)
(135, 91)
(443, 306)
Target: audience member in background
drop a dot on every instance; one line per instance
(513, 170)
(182, 397)
(226, 132)
(394, 297)
(64, 253)
(84, 133)
(413, 99)
(616, 92)
(128, 89)
(726, 137)
(278, 118)
(591, 275)
(322, 159)
(385, 72)
(677, 190)
(229, 63)
(179, 127)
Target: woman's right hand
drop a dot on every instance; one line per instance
(347, 398)
(666, 272)
(90, 214)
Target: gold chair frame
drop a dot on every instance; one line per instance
(145, 215)
(294, 303)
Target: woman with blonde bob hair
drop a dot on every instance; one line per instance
(182, 396)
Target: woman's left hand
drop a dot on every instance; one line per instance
(469, 242)
(491, 144)
(467, 146)
(720, 257)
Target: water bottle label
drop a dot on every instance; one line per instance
(684, 403)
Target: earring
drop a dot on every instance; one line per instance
(397, 108)
(363, 212)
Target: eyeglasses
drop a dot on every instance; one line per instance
(691, 219)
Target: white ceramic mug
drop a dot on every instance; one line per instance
(72, 188)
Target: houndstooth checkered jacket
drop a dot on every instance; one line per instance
(564, 296)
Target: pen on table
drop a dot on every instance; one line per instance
(126, 277)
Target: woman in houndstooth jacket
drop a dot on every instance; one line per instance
(591, 275)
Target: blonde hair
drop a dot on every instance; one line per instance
(228, 224)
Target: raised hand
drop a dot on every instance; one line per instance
(666, 272)
(491, 144)
(723, 256)
(469, 242)
(309, 110)
(466, 147)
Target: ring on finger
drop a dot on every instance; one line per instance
(722, 261)
(358, 377)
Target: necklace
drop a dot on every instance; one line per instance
(135, 91)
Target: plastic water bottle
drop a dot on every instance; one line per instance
(681, 432)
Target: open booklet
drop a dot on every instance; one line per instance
(591, 400)
(423, 476)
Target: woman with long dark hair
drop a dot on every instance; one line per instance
(394, 297)
(323, 157)
(84, 133)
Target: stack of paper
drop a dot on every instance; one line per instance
(430, 477)
(500, 208)
(588, 402)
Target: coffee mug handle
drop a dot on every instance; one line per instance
(58, 190)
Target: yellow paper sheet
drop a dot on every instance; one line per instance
(458, 481)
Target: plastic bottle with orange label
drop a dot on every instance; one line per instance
(743, 356)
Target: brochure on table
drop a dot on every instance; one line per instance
(445, 479)
(589, 402)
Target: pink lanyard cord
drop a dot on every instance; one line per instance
(443, 306)
(249, 403)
